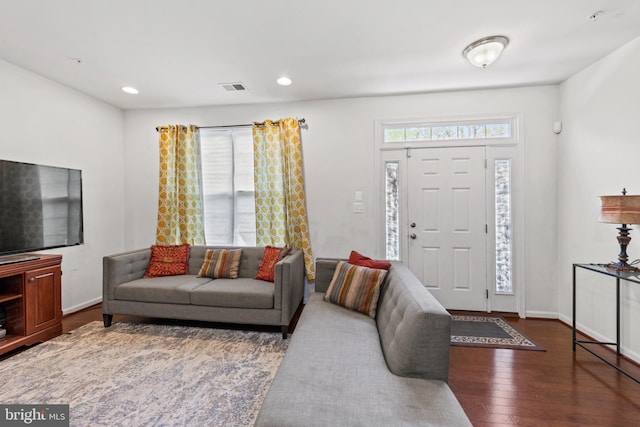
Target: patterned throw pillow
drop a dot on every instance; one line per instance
(356, 288)
(221, 263)
(284, 252)
(267, 269)
(356, 258)
(168, 260)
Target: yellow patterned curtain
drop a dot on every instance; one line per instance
(180, 215)
(281, 207)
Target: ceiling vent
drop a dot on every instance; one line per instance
(233, 87)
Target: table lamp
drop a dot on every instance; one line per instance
(623, 210)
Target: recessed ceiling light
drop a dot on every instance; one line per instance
(131, 90)
(284, 81)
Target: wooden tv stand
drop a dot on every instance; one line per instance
(30, 296)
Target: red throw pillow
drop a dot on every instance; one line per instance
(267, 269)
(168, 260)
(356, 258)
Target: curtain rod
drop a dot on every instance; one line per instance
(300, 121)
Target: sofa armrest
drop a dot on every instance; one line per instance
(289, 284)
(325, 267)
(121, 268)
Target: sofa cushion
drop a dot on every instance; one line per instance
(249, 262)
(168, 260)
(221, 263)
(237, 293)
(414, 327)
(168, 289)
(334, 374)
(356, 288)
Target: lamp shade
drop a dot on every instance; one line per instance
(620, 209)
(485, 51)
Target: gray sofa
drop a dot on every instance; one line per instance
(343, 368)
(244, 300)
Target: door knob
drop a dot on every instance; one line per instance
(412, 225)
(413, 236)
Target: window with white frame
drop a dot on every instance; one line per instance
(392, 210)
(467, 130)
(503, 224)
(491, 132)
(227, 186)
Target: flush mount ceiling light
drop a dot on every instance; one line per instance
(484, 52)
(130, 90)
(284, 81)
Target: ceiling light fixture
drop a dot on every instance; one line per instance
(484, 52)
(284, 81)
(130, 90)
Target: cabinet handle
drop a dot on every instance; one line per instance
(32, 279)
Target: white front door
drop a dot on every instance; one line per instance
(447, 224)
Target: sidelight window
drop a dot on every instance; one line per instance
(503, 224)
(391, 210)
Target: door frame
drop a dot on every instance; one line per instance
(512, 148)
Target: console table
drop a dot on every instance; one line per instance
(627, 276)
(30, 295)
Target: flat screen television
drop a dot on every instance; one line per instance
(40, 207)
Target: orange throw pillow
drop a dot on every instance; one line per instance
(358, 259)
(168, 260)
(267, 269)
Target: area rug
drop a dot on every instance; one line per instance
(488, 331)
(148, 375)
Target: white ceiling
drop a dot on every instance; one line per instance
(176, 52)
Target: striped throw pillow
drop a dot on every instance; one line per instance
(221, 263)
(356, 288)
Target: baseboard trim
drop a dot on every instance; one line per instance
(81, 306)
(541, 315)
(627, 353)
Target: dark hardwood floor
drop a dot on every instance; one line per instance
(499, 387)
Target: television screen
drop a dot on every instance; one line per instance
(40, 207)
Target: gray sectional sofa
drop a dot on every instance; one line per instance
(343, 368)
(243, 300)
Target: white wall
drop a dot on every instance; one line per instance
(599, 154)
(46, 123)
(340, 157)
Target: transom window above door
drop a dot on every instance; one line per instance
(464, 130)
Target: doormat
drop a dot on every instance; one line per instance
(488, 331)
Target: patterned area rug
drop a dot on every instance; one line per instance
(148, 375)
(488, 331)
